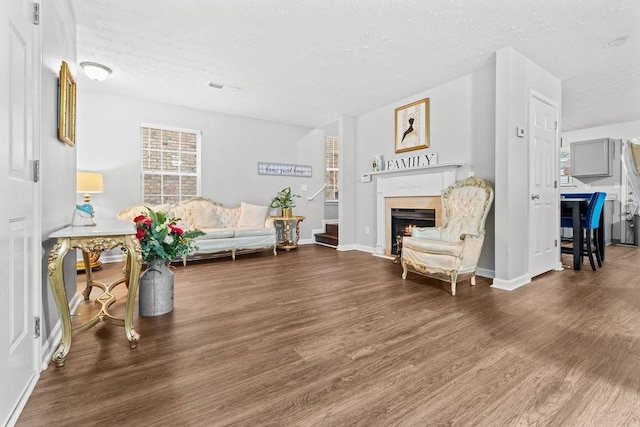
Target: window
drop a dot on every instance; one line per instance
(170, 164)
(332, 156)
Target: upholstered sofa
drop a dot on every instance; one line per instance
(245, 228)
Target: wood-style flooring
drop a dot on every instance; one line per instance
(317, 337)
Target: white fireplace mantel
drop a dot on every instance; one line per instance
(424, 181)
(422, 169)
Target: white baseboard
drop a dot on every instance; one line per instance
(510, 285)
(485, 272)
(326, 245)
(107, 259)
(389, 257)
(13, 419)
(51, 344)
(355, 247)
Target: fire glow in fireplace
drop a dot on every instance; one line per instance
(403, 221)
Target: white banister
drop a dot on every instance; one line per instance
(318, 192)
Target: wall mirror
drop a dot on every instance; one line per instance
(67, 106)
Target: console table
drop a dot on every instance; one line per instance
(103, 236)
(287, 231)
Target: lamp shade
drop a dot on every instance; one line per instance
(89, 182)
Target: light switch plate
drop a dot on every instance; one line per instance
(520, 132)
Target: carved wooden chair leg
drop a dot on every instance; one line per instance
(404, 271)
(453, 284)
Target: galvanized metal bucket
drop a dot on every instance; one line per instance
(156, 289)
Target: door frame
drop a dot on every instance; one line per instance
(535, 95)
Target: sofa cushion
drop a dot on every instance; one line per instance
(249, 231)
(200, 212)
(216, 233)
(205, 218)
(252, 216)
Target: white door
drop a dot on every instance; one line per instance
(17, 284)
(544, 224)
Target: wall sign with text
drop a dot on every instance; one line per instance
(265, 168)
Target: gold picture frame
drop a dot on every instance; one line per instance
(67, 106)
(412, 126)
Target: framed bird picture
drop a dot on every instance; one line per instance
(412, 126)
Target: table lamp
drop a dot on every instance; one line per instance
(86, 183)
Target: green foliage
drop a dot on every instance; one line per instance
(284, 199)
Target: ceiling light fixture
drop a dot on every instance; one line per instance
(620, 41)
(96, 71)
(222, 86)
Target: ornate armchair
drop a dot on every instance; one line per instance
(451, 252)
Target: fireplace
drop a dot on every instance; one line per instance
(404, 220)
(417, 188)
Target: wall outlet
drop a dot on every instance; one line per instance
(367, 230)
(304, 187)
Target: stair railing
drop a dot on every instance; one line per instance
(318, 192)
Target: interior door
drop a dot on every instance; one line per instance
(544, 223)
(17, 284)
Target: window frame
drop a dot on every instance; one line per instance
(198, 153)
(333, 169)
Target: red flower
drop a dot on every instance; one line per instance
(140, 233)
(176, 230)
(139, 218)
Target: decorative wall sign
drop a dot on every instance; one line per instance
(265, 168)
(412, 126)
(430, 159)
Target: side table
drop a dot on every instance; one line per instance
(103, 236)
(287, 231)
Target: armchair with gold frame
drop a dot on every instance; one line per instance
(451, 252)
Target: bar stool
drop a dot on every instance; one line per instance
(589, 224)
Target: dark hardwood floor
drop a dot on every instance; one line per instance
(320, 337)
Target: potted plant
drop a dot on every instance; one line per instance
(284, 200)
(161, 241)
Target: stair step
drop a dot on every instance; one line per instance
(331, 229)
(327, 239)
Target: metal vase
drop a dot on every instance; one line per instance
(287, 212)
(156, 289)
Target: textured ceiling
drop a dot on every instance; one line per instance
(307, 63)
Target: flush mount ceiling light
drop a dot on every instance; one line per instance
(620, 41)
(222, 86)
(95, 71)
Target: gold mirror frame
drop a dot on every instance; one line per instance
(67, 106)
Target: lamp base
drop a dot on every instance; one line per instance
(82, 218)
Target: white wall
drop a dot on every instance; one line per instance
(232, 146)
(57, 160)
(461, 130)
(516, 76)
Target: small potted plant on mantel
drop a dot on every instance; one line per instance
(284, 200)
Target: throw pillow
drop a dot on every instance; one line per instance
(252, 215)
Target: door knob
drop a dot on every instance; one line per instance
(535, 196)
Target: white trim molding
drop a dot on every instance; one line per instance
(513, 284)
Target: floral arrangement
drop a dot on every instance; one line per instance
(161, 238)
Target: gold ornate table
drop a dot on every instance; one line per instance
(287, 230)
(104, 236)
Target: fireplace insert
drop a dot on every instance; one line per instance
(403, 221)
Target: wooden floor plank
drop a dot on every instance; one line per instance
(317, 336)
